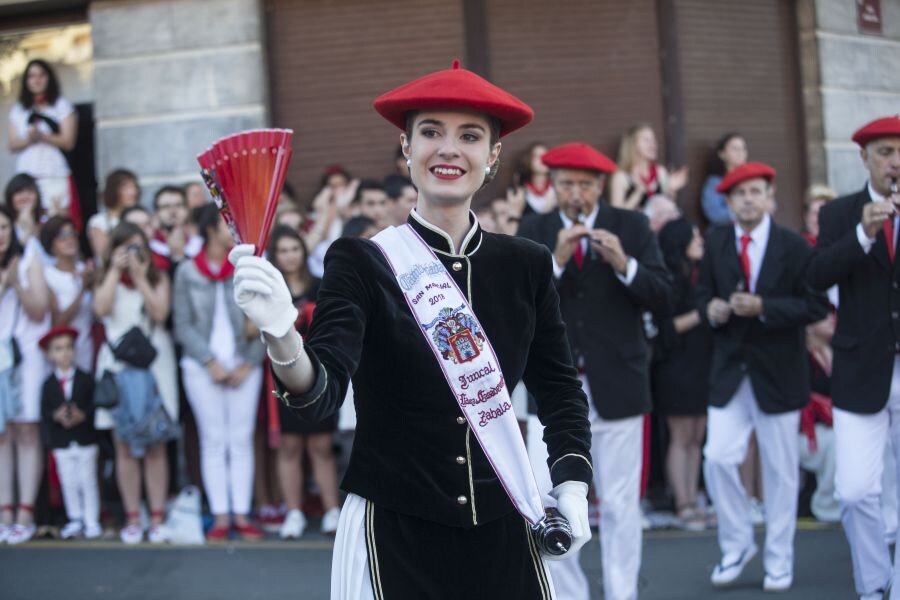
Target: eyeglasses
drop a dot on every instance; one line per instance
(66, 234)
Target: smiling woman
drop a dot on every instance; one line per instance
(438, 468)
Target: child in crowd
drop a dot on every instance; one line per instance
(67, 414)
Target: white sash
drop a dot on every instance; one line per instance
(467, 360)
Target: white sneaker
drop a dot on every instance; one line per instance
(4, 532)
(294, 525)
(92, 531)
(131, 534)
(731, 566)
(779, 583)
(71, 529)
(20, 534)
(158, 534)
(757, 512)
(330, 521)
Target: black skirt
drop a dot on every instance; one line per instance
(415, 559)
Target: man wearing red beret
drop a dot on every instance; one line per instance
(753, 293)
(608, 271)
(856, 251)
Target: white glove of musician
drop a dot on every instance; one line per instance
(572, 503)
(260, 291)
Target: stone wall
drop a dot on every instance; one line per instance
(849, 79)
(170, 77)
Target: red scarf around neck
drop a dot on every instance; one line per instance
(226, 271)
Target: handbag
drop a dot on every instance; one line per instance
(156, 427)
(134, 348)
(106, 392)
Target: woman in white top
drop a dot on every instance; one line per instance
(120, 191)
(25, 317)
(639, 176)
(69, 281)
(222, 374)
(43, 125)
(133, 292)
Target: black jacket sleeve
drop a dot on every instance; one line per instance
(838, 250)
(652, 285)
(335, 339)
(804, 305)
(551, 378)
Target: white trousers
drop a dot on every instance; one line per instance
(568, 577)
(617, 450)
(822, 463)
(77, 469)
(861, 441)
(728, 432)
(226, 419)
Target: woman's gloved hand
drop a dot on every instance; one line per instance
(572, 503)
(261, 292)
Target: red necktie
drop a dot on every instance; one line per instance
(62, 386)
(889, 236)
(579, 255)
(745, 258)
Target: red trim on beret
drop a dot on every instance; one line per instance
(580, 156)
(746, 171)
(56, 332)
(453, 89)
(879, 128)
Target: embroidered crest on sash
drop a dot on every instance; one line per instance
(456, 335)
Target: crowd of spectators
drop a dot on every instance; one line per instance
(81, 300)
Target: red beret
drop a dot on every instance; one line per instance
(879, 128)
(578, 155)
(454, 88)
(56, 332)
(746, 171)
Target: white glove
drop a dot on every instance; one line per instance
(260, 291)
(571, 502)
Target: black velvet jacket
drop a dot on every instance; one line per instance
(55, 435)
(413, 452)
(604, 315)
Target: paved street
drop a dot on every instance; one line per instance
(676, 566)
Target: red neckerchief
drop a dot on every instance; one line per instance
(161, 262)
(226, 270)
(649, 182)
(538, 191)
(40, 99)
(126, 280)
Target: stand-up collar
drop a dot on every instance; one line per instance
(440, 241)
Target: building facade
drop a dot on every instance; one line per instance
(795, 77)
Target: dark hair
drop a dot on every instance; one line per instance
(364, 185)
(169, 189)
(334, 170)
(15, 248)
(394, 184)
(19, 183)
(674, 238)
(205, 217)
(51, 230)
(279, 233)
(26, 98)
(119, 235)
(356, 226)
(288, 190)
(114, 182)
(523, 173)
(716, 164)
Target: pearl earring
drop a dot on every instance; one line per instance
(408, 163)
(487, 170)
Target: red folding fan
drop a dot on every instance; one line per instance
(245, 173)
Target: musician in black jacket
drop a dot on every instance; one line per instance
(427, 515)
(753, 292)
(856, 251)
(608, 270)
(67, 418)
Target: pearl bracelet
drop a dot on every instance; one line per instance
(289, 362)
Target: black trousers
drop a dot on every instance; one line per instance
(416, 559)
